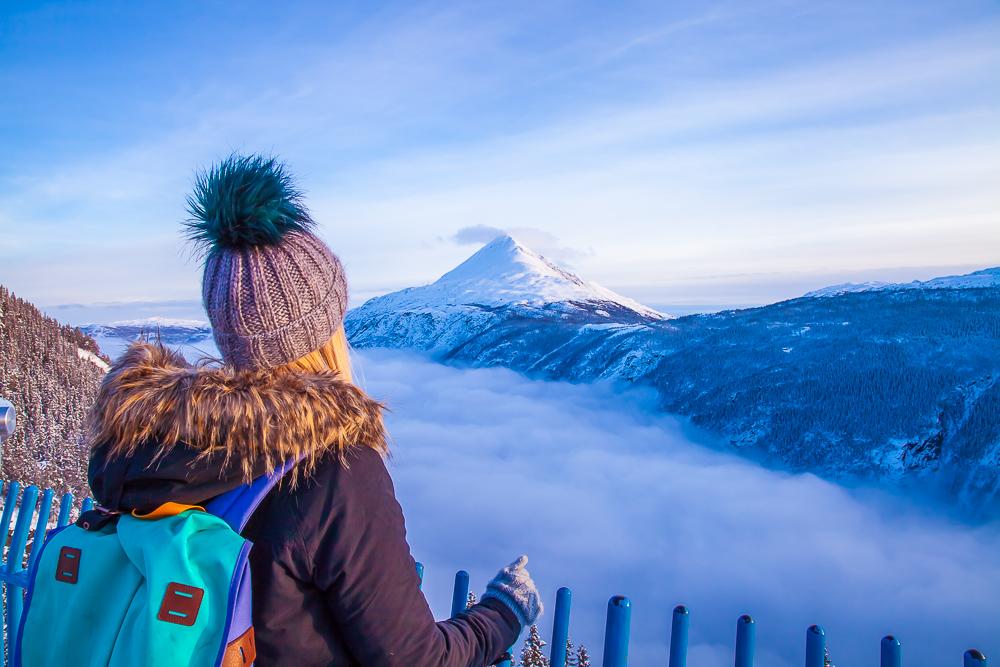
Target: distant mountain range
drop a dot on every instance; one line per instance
(984, 278)
(192, 337)
(895, 383)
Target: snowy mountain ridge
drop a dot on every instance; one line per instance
(158, 322)
(975, 280)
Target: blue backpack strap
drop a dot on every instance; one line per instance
(237, 506)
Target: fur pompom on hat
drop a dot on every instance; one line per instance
(273, 290)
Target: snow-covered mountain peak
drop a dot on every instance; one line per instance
(506, 260)
(504, 273)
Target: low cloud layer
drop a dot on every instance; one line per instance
(607, 497)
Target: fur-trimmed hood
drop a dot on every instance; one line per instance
(248, 421)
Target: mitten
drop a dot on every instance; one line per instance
(514, 588)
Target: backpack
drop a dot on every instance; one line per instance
(170, 588)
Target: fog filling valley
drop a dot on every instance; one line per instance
(607, 496)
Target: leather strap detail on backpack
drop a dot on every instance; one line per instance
(241, 651)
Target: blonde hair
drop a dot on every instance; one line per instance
(333, 355)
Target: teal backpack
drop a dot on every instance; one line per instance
(170, 588)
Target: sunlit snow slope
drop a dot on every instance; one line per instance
(503, 281)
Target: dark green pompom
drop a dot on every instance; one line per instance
(245, 201)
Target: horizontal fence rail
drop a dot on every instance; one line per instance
(21, 548)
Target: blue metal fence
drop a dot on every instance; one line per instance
(21, 549)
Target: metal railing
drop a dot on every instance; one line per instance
(618, 625)
(19, 545)
(21, 550)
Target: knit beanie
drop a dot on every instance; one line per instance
(273, 290)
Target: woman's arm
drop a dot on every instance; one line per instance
(363, 565)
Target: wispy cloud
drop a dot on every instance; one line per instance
(475, 234)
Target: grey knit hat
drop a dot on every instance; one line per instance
(273, 290)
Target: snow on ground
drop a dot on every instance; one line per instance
(606, 497)
(90, 356)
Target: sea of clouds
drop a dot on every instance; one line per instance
(607, 496)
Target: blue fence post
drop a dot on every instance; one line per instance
(616, 632)
(88, 504)
(10, 501)
(974, 658)
(65, 507)
(892, 655)
(746, 641)
(44, 512)
(15, 560)
(420, 576)
(560, 628)
(815, 646)
(679, 636)
(460, 598)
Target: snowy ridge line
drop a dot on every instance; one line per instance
(975, 280)
(156, 322)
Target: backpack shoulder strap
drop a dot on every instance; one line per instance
(237, 506)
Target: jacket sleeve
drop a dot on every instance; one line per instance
(364, 567)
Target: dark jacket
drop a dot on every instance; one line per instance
(333, 579)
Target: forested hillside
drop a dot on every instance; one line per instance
(52, 384)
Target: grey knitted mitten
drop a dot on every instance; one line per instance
(514, 588)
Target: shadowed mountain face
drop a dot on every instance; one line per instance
(889, 384)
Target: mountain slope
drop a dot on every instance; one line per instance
(898, 385)
(50, 372)
(504, 280)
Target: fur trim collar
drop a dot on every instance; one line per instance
(254, 419)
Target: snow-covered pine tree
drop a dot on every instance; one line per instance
(532, 654)
(570, 653)
(471, 601)
(582, 656)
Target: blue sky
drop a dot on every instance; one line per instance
(678, 152)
